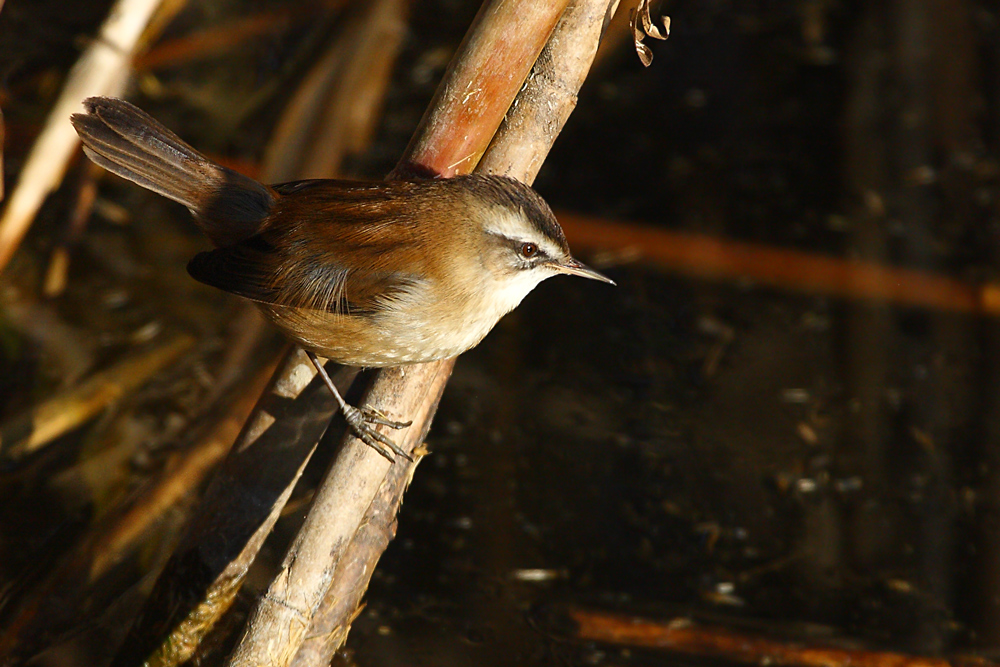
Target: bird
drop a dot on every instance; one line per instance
(367, 274)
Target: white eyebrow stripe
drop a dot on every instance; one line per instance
(510, 225)
(506, 223)
(549, 248)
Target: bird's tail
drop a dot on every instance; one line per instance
(128, 142)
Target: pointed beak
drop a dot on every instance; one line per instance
(575, 268)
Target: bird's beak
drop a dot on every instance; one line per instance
(575, 268)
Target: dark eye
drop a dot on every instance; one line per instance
(528, 250)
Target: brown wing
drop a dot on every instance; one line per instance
(336, 246)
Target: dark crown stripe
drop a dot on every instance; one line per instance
(517, 196)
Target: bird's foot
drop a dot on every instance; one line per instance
(373, 416)
(360, 422)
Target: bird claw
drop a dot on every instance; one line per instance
(360, 423)
(373, 416)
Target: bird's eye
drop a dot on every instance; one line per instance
(529, 250)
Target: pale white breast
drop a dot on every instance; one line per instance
(419, 324)
(458, 322)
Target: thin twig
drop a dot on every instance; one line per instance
(86, 197)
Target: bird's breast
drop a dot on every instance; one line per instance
(417, 325)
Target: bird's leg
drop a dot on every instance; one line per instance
(359, 420)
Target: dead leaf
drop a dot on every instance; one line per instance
(647, 29)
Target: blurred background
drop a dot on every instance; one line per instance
(784, 422)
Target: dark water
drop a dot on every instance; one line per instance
(791, 463)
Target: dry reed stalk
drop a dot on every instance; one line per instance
(103, 69)
(322, 125)
(524, 138)
(241, 505)
(182, 476)
(714, 258)
(3, 136)
(52, 608)
(38, 321)
(475, 93)
(479, 87)
(682, 635)
(27, 433)
(218, 39)
(2, 133)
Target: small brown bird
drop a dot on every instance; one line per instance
(366, 274)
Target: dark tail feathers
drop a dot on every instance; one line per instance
(128, 142)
